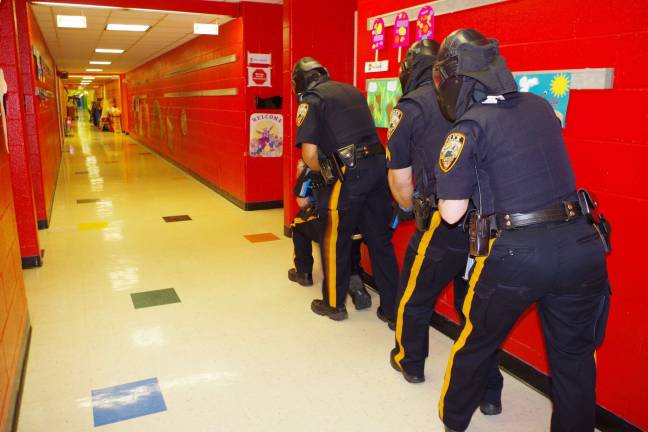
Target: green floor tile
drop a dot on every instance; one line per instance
(154, 298)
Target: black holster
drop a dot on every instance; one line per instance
(479, 231)
(332, 166)
(331, 170)
(423, 210)
(599, 222)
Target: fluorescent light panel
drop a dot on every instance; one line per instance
(128, 27)
(109, 50)
(206, 29)
(94, 70)
(97, 62)
(71, 21)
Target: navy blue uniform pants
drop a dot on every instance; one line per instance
(362, 201)
(433, 259)
(304, 233)
(562, 268)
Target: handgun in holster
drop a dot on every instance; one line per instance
(479, 233)
(599, 222)
(331, 170)
(423, 209)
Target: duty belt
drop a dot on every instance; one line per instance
(362, 152)
(561, 212)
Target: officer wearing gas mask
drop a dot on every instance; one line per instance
(437, 252)
(337, 137)
(534, 235)
(308, 227)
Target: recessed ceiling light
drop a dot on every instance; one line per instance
(94, 70)
(73, 5)
(109, 50)
(205, 29)
(128, 27)
(81, 76)
(71, 21)
(96, 62)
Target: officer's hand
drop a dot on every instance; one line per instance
(303, 202)
(405, 214)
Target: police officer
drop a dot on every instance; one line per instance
(532, 232)
(337, 136)
(437, 252)
(307, 227)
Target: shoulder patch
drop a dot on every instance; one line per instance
(302, 112)
(451, 151)
(396, 117)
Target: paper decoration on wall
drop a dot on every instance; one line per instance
(382, 96)
(259, 58)
(3, 121)
(401, 32)
(184, 129)
(259, 76)
(170, 134)
(550, 85)
(425, 24)
(378, 36)
(156, 122)
(266, 135)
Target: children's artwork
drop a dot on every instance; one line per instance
(401, 32)
(378, 36)
(266, 135)
(550, 85)
(425, 24)
(382, 96)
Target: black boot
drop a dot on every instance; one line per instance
(336, 314)
(359, 295)
(383, 317)
(414, 379)
(490, 408)
(304, 279)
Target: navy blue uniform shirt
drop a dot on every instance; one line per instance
(333, 115)
(509, 157)
(415, 136)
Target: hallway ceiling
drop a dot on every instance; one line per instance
(73, 49)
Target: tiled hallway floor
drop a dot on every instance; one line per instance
(233, 347)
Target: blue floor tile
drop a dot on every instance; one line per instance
(127, 401)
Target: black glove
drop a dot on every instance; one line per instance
(403, 213)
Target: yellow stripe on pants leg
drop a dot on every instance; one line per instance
(461, 341)
(411, 283)
(330, 239)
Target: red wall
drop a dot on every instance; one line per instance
(326, 35)
(217, 141)
(18, 143)
(607, 136)
(42, 121)
(13, 304)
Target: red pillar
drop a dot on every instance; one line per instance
(17, 135)
(326, 35)
(31, 112)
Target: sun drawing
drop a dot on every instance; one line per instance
(559, 85)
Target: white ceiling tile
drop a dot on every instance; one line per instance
(73, 49)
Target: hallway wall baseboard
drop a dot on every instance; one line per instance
(31, 262)
(13, 402)
(247, 206)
